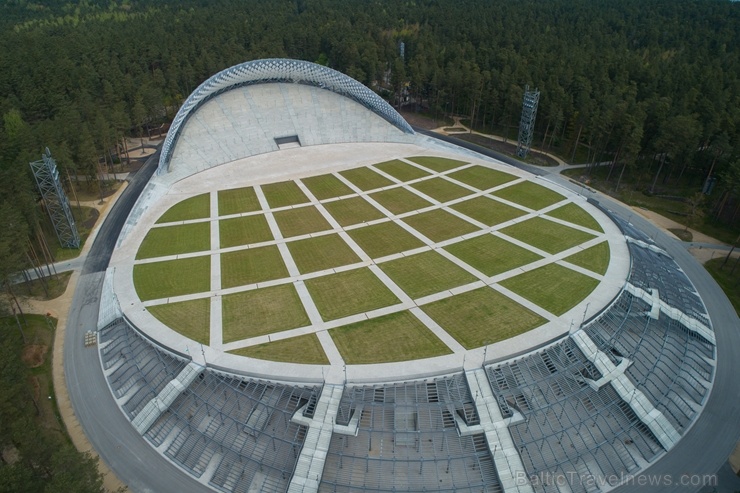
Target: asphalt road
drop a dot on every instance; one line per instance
(702, 451)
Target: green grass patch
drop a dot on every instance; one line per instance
(366, 179)
(244, 230)
(387, 238)
(305, 349)
(491, 255)
(401, 171)
(301, 221)
(348, 293)
(174, 240)
(45, 289)
(488, 211)
(252, 266)
(555, 288)
(400, 200)
(438, 164)
(595, 259)
(322, 252)
(283, 194)
(439, 225)
(529, 195)
(728, 281)
(326, 186)
(574, 214)
(190, 318)
(395, 337)
(481, 177)
(262, 311)
(441, 189)
(353, 210)
(547, 235)
(198, 207)
(482, 316)
(426, 273)
(85, 219)
(237, 201)
(172, 277)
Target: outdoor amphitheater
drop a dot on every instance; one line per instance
(309, 296)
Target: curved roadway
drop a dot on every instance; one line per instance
(703, 450)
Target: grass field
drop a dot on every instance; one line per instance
(399, 200)
(529, 195)
(322, 252)
(301, 221)
(190, 318)
(440, 189)
(366, 179)
(326, 186)
(172, 277)
(438, 164)
(426, 273)
(349, 292)
(262, 311)
(546, 235)
(304, 349)
(395, 337)
(198, 207)
(482, 316)
(174, 240)
(283, 194)
(574, 214)
(491, 255)
(353, 210)
(401, 171)
(728, 280)
(244, 230)
(595, 259)
(237, 200)
(553, 287)
(387, 238)
(487, 211)
(251, 266)
(481, 177)
(439, 225)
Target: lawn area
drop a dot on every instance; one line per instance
(237, 200)
(529, 195)
(439, 225)
(400, 200)
(283, 194)
(252, 266)
(353, 210)
(174, 240)
(44, 289)
(190, 318)
(326, 186)
(574, 214)
(262, 311)
(85, 219)
(488, 211)
(595, 259)
(728, 281)
(366, 179)
(441, 189)
(401, 171)
(491, 255)
(395, 337)
(546, 235)
(172, 277)
(482, 316)
(426, 273)
(348, 293)
(387, 238)
(322, 252)
(244, 230)
(481, 177)
(305, 349)
(301, 221)
(438, 164)
(553, 287)
(198, 207)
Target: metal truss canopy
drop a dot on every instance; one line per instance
(277, 70)
(526, 125)
(55, 200)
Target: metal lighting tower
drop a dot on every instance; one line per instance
(47, 179)
(526, 125)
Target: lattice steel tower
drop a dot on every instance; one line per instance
(55, 200)
(526, 125)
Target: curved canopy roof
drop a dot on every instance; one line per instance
(277, 70)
